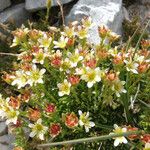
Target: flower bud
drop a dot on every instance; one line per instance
(34, 114)
(55, 129)
(71, 120)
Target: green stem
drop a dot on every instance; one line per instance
(142, 102)
(75, 94)
(126, 100)
(90, 139)
(89, 94)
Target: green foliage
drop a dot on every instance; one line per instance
(59, 75)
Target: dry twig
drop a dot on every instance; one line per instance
(62, 12)
(9, 54)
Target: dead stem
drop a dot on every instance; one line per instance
(62, 12)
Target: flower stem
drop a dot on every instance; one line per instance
(125, 99)
(90, 139)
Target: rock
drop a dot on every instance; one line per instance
(16, 14)
(106, 12)
(141, 11)
(3, 128)
(126, 14)
(4, 4)
(145, 2)
(5, 139)
(4, 147)
(33, 5)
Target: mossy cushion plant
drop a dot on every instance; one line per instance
(66, 88)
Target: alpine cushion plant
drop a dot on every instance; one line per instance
(67, 88)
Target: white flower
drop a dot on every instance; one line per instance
(61, 43)
(16, 42)
(87, 22)
(68, 31)
(35, 75)
(12, 116)
(138, 58)
(118, 87)
(91, 76)
(64, 88)
(121, 139)
(20, 79)
(84, 120)
(82, 32)
(74, 58)
(147, 146)
(114, 51)
(45, 41)
(39, 57)
(65, 65)
(131, 66)
(4, 107)
(38, 129)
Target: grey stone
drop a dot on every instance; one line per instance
(33, 5)
(16, 14)
(4, 147)
(126, 14)
(5, 139)
(141, 11)
(106, 12)
(145, 2)
(3, 128)
(4, 4)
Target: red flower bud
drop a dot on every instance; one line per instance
(74, 79)
(55, 129)
(50, 108)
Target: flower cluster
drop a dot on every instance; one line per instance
(59, 73)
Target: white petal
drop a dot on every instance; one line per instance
(31, 125)
(124, 91)
(87, 115)
(40, 81)
(32, 134)
(125, 140)
(42, 71)
(117, 94)
(39, 121)
(34, 67)
(28, 73)
(8, 121)
(14, 120)
(134, 71)
(89, 84)
(60, 93)
(80, 112)
(81, 123)
(115, 126)
(124, 129)
(55, 42)
(98, 78)
(116, 142)
(41, 136)
(92, 124)
(14, 82)
(86, 129)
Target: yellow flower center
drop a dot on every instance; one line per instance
(38, 127)
(91, 76)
